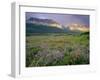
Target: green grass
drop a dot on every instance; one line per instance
(57, 49)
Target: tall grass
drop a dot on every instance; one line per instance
(57, 49)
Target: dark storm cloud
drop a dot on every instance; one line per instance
(63, 19)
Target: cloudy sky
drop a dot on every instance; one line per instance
(63, 19)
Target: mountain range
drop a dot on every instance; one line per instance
(47, 22)
(37, 25)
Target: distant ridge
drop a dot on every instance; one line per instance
(34, 28)
(37, 25)
(47, 22)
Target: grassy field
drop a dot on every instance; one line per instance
(53, 49)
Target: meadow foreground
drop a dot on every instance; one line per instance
(56, 49)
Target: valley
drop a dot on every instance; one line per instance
(54, 49)
(49, 43)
